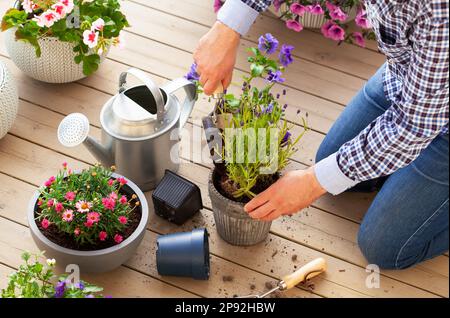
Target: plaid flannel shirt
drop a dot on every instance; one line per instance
(414, 36)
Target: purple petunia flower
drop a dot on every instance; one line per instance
(60, 288)
(79, 285)
(192, 75)
(285, 55)
(286, 138)
(268, 43)
(89, 296)
(275, 77)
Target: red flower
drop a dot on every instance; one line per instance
(102, 236)
(122, 219)
(122, 181)
(109, 203)
(49, 182)
(45, 223)
(59, 207)
(50, 203)
(77, 232)
(118, 238)
(110, 182)
(123, 199)
(70, 196)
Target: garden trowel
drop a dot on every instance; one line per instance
(306, 272)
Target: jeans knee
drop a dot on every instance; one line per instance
(375, 250)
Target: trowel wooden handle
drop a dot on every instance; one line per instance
(312, 269)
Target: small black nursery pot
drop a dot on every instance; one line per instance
(184, 254)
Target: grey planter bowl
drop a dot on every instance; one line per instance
(233, 224)
(98, 261)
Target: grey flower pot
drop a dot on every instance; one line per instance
(233, 224)
(98, 261)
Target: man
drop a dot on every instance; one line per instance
(392, 137)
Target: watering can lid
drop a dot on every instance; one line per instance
(124, 117)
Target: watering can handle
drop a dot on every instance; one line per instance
(154, 90)
(191, 95)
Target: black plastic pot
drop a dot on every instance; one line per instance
(184, 254)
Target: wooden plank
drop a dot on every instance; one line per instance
(311, 46)
(12, 145)
(331, 227)
(14, 196)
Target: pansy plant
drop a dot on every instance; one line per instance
(90, 206)
(91, 25)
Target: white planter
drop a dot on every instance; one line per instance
(9, 100)
(56, 64)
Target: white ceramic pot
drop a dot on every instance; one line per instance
(9, 100)
(56, 64)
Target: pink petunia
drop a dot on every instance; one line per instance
(123, 200)
(122, 219)
(361, 19)
(50, 181)
(59, 207)
(277, 4)
(336, 12)
(358, 38)
(294, 25)
(68, 215)
(298, 9)
(50, 203)
(109, 203)
(111, 182)
(336, 33)
(93, 217)
(45, 223)
(326, 28)
(90, 38)
(70, 196)
(122, 181)
(315, 9)
(113, 196)
(118, 238)
(102, 235)
(83, 206)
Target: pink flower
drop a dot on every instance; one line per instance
(122, 219)
(277, 5)
(60, 10)
(68, 4)
(59, 207)
(29, 6)
(76, 231)
(102, 235)
(113, 196)
(118, 238)
(110, 182)
(294, 25)
(47, 19)
(336, 12)
(64, 164)
(315, 9)
(88, 223)
(45, 223)
(123, 199)
(217, 5)
(67, 215)
(326, 28)
(336, 33)
(50, 181)
(109, 203)
(90, 38)
(70, 196)
(358, 38)
(93, 217)
(50, 203)
(83, 206)
(361, 19)
(298, 9)
(39, 203)
(122, 181)
(98, 25)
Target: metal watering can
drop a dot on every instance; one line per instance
(140, 125)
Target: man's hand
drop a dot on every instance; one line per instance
(293, 192)
(215, 57)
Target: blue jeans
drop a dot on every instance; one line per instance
(407, 222)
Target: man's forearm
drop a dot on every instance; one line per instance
(241, 14)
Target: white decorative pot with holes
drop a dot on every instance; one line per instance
(56, 63)
(9, 100)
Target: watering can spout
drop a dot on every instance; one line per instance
(100, 152)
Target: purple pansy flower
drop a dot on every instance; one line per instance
(60, 288)
(285, 55)
(192, 75)
(268, 43)
(275, 77)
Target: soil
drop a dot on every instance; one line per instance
(226, 187)
(227, 278)
(64, 240)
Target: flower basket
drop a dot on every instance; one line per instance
(108, 256)
(309, 21)
(55, 65)
(9, 100)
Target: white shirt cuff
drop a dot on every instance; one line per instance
(237, 15)
(330, 176)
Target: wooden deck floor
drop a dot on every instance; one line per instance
(160, 41)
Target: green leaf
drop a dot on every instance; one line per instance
(92, 289)
(90, 64)
(256, 69)
(12, 18)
